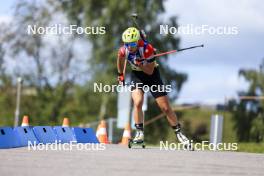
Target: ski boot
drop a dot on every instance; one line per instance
(183, 139)
(138, 139)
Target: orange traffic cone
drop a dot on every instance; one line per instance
(98, 130)
(126, 135)
(66, 122)
(25, 121)
(102, 136)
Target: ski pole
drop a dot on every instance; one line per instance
(174, 51)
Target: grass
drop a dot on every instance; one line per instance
(242, 147)
(251, 147)
(196, 117)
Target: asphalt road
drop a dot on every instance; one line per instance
(119, 160)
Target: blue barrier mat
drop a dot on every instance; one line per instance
(85, 135)
(45, 134)
(64, 134)
(26, 135)
(8, 138)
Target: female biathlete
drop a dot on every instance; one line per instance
(139, 53)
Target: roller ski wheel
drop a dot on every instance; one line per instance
(132, 143)
(129, 143)
(188, 147)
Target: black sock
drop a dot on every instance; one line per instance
(177, 128)
(139, 126)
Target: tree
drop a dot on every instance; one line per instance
(248, 113)
(47, 63)
(52, 72)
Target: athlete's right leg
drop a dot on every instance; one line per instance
(138, 98)
(163, 103)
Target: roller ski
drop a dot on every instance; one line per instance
(138, 140)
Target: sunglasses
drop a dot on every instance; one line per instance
(131, 44)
